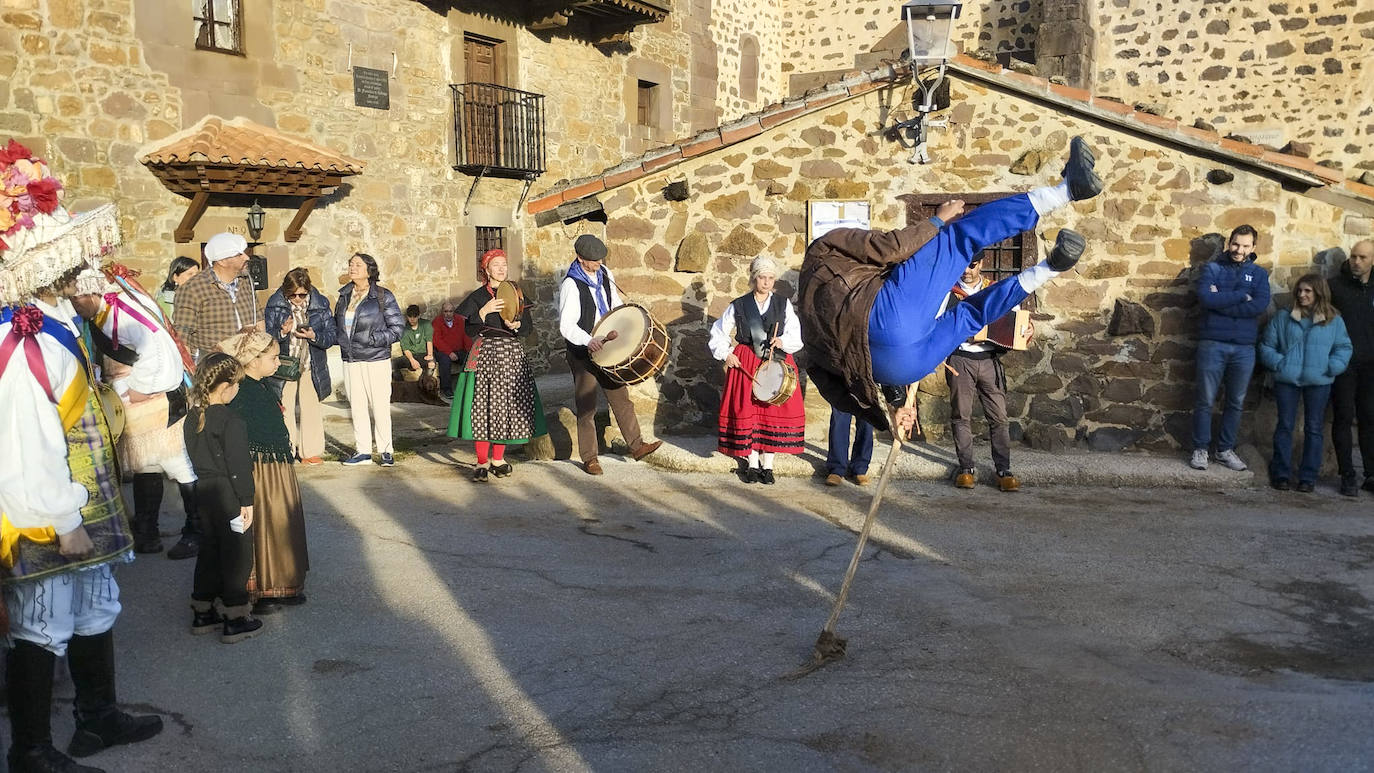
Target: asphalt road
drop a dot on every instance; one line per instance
(644, 620)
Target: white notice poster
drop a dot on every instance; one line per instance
(827, 215)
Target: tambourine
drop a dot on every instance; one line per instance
(514, 301)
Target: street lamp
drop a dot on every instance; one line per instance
(256, 214)
(930, 42)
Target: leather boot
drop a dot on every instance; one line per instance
(189, 544)
(99, 722)
(30, 675)
(147, 506)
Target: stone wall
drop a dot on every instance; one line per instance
(1273, 71)
(825, 37)
(1112, 362)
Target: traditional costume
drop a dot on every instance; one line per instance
(868, 299)
(143, 357)
(750, 428)
(59, 483)
(584, 297)
(281, 558)
(495, 400)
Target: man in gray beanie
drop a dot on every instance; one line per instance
(587, 294)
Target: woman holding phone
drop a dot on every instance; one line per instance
(300, 319)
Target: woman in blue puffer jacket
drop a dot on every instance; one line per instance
(299, 317)
(1306, 348)
(369, 321)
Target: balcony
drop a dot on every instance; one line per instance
(498, 131)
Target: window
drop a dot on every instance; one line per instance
(219, 25)
(749, 68)
(648, 97)
(1001, 260)
(488, 238)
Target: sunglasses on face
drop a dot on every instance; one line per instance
(300, 295)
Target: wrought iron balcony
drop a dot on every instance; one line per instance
(498, 130)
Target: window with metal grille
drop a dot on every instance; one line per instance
(488, 238)
(219, 25)
(645, 113)
(1001, 260)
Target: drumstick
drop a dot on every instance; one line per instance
(611, 336)
(770, 342)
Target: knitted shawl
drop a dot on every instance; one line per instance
(262, 412)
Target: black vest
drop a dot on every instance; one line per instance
(756, 331)
(587, 318)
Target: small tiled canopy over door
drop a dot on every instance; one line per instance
(482, 110)
(1000, 260)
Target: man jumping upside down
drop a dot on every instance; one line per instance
(867, 300)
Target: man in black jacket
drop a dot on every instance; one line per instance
(1352, 395)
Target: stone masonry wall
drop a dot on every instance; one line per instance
(829, 36)
(1272, 71)
(1112, 362)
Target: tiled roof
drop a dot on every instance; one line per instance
(1242, 154)
(240, 142)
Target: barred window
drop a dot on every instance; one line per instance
(219, 25)
(488, 238)
(1006, 258)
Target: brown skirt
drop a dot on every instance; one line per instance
(281, 559)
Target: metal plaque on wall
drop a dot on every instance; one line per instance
(371, 88)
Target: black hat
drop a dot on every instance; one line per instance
(589, 247)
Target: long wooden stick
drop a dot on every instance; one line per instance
(871, 517)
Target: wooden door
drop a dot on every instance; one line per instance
(481, 102)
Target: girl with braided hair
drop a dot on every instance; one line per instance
(217, 440)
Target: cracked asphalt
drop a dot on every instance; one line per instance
(643, 621)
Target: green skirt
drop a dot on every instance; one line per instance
(495, 398)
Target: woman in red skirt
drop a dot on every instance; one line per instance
(754, 329)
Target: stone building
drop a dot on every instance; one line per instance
(516, 124)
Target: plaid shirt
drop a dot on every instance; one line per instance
(205, 315)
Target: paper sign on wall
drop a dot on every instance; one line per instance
(825, 215)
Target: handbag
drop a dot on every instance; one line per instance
(289, 368)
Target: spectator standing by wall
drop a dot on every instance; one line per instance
(1352, 393)
(369, 321)
(299, 318)
(217, 303)
(1306, 348)
(1233, 291)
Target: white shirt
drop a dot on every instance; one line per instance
(570, 307)
(159, 367)
(36, 486)
(723, 331)
(968, 346)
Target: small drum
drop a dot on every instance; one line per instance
(114, 409)
(515, 301)
(775, 381)
(639, 348)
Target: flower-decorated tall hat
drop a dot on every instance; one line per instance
(39, 239)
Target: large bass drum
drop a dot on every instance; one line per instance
(637, 347)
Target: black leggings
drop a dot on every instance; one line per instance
(226, 557)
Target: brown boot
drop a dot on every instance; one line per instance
(965, 479)
(592, 467)
(1008, 482)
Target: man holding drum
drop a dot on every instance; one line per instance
(761, 411)
(868, 299)
(587, 294)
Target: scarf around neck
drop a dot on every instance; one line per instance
(603, 299)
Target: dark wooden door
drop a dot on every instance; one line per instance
(481, 106)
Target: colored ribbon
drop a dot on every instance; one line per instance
(23, 328)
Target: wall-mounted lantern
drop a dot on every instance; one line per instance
(930, 43)
(256, 216)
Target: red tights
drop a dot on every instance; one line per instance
(498, 451)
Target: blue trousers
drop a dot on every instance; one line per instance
(906, 340)
(840, 459)
(1314, 399)
(1221, 365)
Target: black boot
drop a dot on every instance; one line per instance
(147, 505)
(1078, 172)
(30, 672)
(189, 544)
(1068, 248)
(99, 722)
